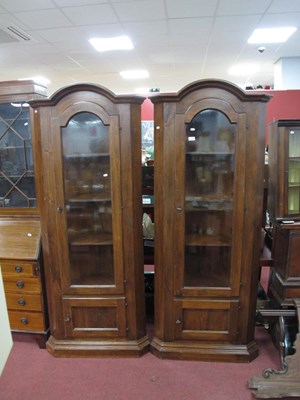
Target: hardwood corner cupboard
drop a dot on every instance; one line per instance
(209, 181)
(88, 143)
(284, 169)
(284, 210)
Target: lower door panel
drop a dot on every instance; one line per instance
(103, 318)
(211, 320)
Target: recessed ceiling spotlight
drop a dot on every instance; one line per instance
(135, 74)
(111, 43)
(261, 49)
(271, 35)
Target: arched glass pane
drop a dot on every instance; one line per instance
(210, 160)
(87, 186)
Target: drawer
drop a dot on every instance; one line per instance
(19, 268)
(26, 321)
(28, 302)
(22, 285)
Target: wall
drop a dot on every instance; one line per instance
(285, 104)
(5, 334)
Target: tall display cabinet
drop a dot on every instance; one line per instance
(284, 210)
(209, 167)
(20, 238)
(89, 188)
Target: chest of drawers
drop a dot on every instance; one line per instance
(22, 270)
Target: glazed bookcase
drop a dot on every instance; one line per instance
(209, 159)
(89, 187)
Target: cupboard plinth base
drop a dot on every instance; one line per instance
(204, 351)
(95, 348)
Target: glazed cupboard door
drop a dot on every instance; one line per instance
(89, 191)
(207, 206)
(88, 207)
(207, 254)
(284, 170)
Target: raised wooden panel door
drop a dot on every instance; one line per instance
(212, 320)
(95, 318)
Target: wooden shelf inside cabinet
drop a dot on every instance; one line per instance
(206, 240)
(208, 153)
(92, 239)
(22, 269)
(88, 197)
(85, 155)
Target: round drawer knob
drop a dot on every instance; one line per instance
(18, 268)
(20, 284)
(21, 302)
(24, 321)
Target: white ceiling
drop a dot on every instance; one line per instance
(177, 41)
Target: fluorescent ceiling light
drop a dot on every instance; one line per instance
(271, 35)
(135, 74)
(243, 69)
(112, 43)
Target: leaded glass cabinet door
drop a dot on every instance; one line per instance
(17, 176)
(17, 187)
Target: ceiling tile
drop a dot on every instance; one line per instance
(145, 28)
(146, 10)
(190, 25)
(280, 19)
(94, 14)
(191, 8)
(26, 5)
(243, 7)
(279, 6)
(43, 19)
(74, 3)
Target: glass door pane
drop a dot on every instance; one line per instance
(210, 160)
(17, 183)
(294, 172)
(87, 187)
